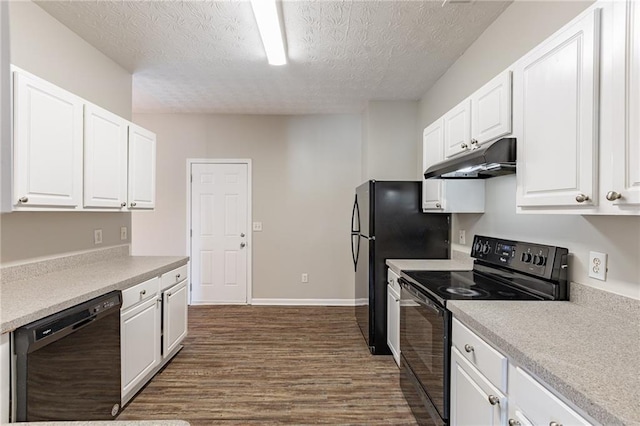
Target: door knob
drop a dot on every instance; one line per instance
(242, 234)
(23, 200)
(242, 245)
(133, 204)
(123, 204)
(493, 400)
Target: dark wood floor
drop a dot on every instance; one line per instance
(274, 365)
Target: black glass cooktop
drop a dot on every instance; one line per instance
(465, 285)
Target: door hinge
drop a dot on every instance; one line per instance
(191, 178)
(191, 233)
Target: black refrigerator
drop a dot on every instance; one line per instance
(387, 223)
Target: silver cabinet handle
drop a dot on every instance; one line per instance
(464, 145)
(474, 141)
(397, 300)
(23, 200)
(168, 295)
(177, 276)
(581, 198)
(514, 422)
(242, 234)
(438, 205)
(468, 348)
(242, 245)
(133, 204)
(494, 400)
(613, 195)
(123, 204)
(553, 423)
(143, 292)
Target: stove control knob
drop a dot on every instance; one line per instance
(478, 247)
(526, 257)
(539, 260)
(486, 248)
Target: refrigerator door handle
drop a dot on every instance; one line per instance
(355, 250)
(355, 215)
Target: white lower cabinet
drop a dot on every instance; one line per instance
(140, 340)
(153, 324)
(487, 391)
(393, 315)
(474, 400)
(174, 316)
(531, 403)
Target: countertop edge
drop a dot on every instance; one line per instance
(11, 325)
(561, 386)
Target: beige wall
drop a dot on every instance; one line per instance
(305, 170)
(42, 45)
(389, 141)
(521, 27)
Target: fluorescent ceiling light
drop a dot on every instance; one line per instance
(266, 13)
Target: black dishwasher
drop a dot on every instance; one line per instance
(68, 364)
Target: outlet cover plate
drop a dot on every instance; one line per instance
(123, 233)
(97, 236)
(598, 265)
(257, 226)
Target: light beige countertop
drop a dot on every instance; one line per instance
(585, 351)
(397, 265)
(31, 292)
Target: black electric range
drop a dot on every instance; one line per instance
(502, 270)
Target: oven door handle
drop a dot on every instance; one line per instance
(419, 297)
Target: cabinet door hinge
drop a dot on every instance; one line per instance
(191, 178)
(191, 233)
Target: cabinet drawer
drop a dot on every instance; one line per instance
(140, 292)
(173, 277)
(538, 403)
(487, 360)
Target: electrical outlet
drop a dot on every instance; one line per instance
(462, 237)
(598, 265)
(257, 226)
(305, 278)
(123, 233)
(97, 236)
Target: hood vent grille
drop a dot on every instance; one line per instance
(493, 159)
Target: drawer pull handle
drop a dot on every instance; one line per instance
(468, 348)
(23, 200)
(143, 292)
(514, 422)
(613, 195)
(553, 423)
(493, 400)
(123, 204)
(581, 198)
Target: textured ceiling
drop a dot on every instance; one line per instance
(207, 56)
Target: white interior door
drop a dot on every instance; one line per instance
(219, 242)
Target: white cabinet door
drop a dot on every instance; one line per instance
(556, 118)
(457, 129)
(47, 144)
(491, 110)
(626, 148)
(175, 301)
(393, 315)
(474, 401)
(105, 159)
(142, 168)
(140, 341)
(432, 152)
(443, 195)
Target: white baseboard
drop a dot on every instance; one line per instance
(304, 302)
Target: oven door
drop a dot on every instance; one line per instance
(425, 328)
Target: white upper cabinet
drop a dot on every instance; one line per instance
(624, 190)
(47, 145)
(491, 110)
(556, 118)
(447, 195)
(105, 159)
(142, 168)
(457, 129)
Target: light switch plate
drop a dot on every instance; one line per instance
(462, 237)
(598, 265)
(257, 226)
